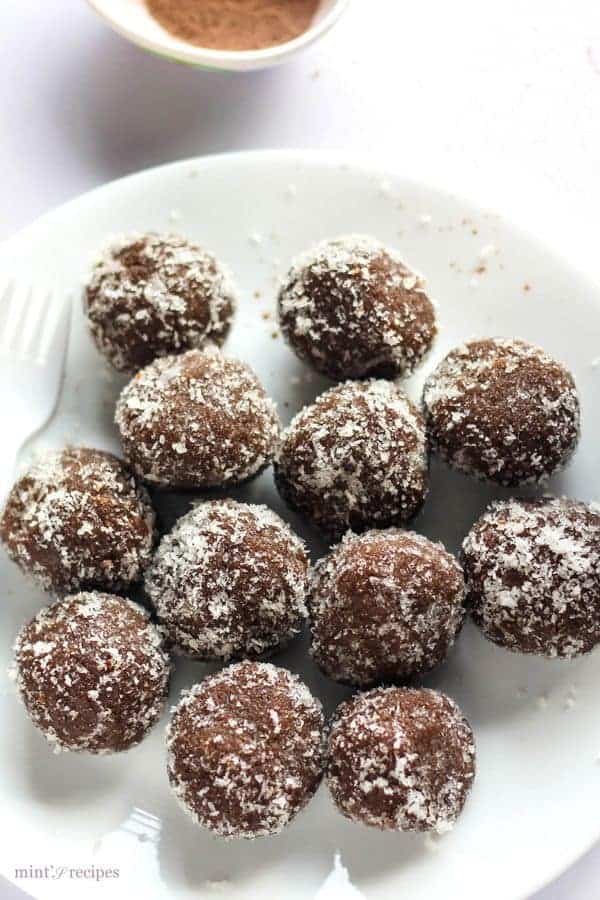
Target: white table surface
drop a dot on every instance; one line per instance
(497, 101)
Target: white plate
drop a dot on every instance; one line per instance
(534, 808)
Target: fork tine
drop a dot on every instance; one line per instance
(57, 326)
(6, 302)
(17, 317)
(32, 323)
(42, 312)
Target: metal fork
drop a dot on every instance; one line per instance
(34, 333)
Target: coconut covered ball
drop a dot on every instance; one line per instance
(229, 580)
(199, 420)
(356, 458)
(92, 673)
(532, 569)
(78, 520)
(246, 750)
(384, 606)
(153, 295)
(502, 410)
(351, 308)
(401, 759)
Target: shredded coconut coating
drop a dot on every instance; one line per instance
(78, 520)
(153, 295)
(246, 750)
(229, 580)
(92, 673)
(502, 410)
(384, 606)
(532, 569)
(401, 759)
(356, 458)
(351, 307)
(199, 420)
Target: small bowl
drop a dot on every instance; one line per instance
(132, 19)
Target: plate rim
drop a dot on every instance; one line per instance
(352, 162)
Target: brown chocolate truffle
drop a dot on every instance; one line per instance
(92, 673)
(351, 308)
(246, 750)
(153, 295)
(401, 759)
(199, 420)
(384, 606)
(229, 580)
(78, 520)
(355, 459)
(502, 410)
(532, 569)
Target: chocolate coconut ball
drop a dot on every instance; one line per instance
(351, 308)
(502, 410)
(92, 673)
(246, 750)
(229, 580)
(401, 759)
(532, 569)
(355, 459)
(384, 606)
(153, 295)
(78, 520)
(199, 420)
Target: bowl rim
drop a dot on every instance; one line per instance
(177, 50)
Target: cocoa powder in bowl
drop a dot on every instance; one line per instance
(234, 24)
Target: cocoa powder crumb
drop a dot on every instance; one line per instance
(234, 24)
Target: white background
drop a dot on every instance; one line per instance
(497, 101)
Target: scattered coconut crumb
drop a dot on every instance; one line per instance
(432, 842)
(487, 251)
(291, 191)
(424, 219)
(256, 239)
(175, 215)
(571, 697)
(338, 884)
(218, 886)
(596, 363)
